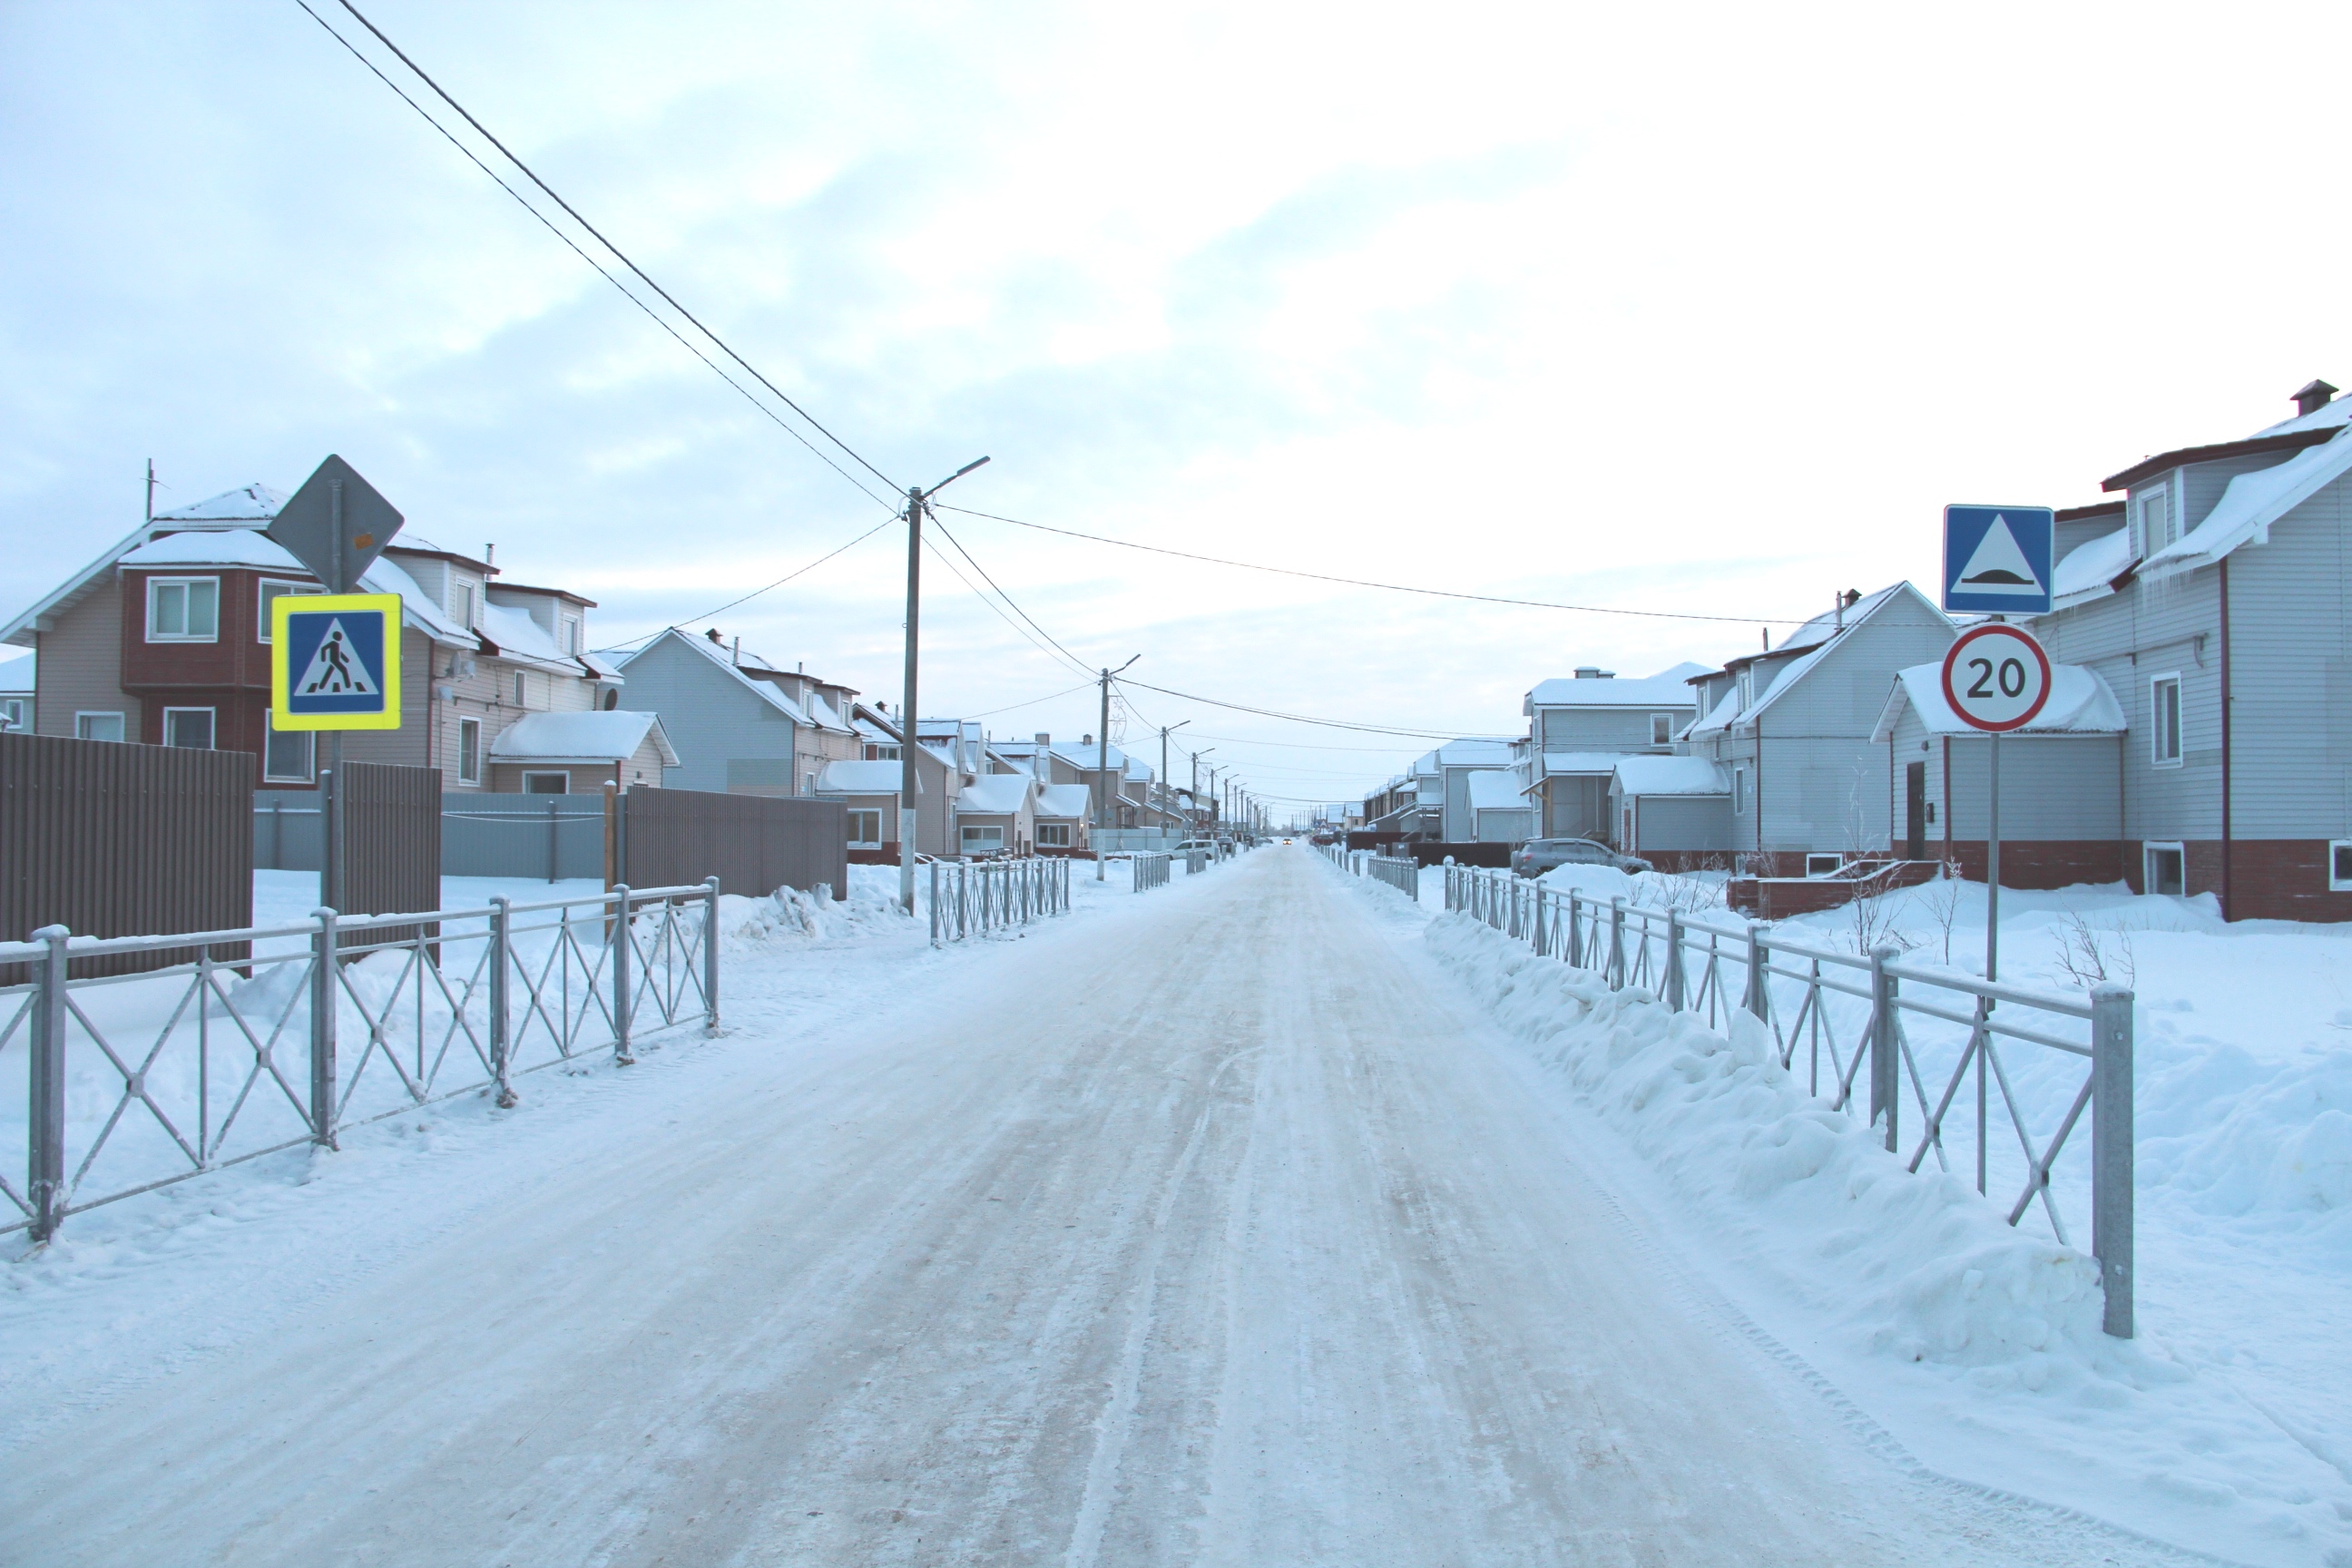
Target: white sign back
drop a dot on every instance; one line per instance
(1995, 677)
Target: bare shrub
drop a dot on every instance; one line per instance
(2091, 957)
(1941, 899)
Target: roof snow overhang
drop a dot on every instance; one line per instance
(2149, 467)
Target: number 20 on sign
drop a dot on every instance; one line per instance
(1995, 677)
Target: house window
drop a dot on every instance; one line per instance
(271, 591)
(520, 690)
(982, 840)
(97, 726)
(1822, 864)
(570, 634)
(182, 609)
(808, 784)
(2339, 866)
(2165, 866)
(881, 753)
(469, 751)
(1053, 835)
(188, 727)
(464, 607)
(12, 713)
(865, 830)
(1662, 729)
(553, 781)
(1739, 792)
(2164, 726)
(2154, 516)
(286, 754)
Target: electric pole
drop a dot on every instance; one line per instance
(1165, 730)
(908, 785)
(1102, 764)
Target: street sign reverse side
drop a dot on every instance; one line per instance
(336, 524)
(1996, 559)
(1996, 678)
(334, 661)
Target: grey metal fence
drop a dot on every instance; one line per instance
(752, 844)
(262, 1041)
(551, 838)
(1152, 871)
(1402, 874)
(972, 898)
(1886, 1023)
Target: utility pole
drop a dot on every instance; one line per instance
(1102, 765)
(1165, 730)
(907, 708)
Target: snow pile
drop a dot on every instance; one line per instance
(2009, 1379)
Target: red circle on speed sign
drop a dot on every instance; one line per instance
(1995, 677)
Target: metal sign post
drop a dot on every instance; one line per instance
(1996, 679)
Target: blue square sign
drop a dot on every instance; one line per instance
(1996, 559)
(334, 661)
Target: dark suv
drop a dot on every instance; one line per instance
(1537, 856)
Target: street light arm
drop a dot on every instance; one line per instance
(953, 478)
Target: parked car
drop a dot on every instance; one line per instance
(1537, 856)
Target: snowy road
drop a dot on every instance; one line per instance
(1209, 1229)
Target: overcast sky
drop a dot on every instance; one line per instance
(1656, 308)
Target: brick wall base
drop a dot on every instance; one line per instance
(2035, 865)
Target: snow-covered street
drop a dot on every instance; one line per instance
(1206, 1226)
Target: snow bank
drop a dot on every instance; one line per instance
(1979, 1344)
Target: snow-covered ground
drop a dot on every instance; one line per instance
(2226, 1423)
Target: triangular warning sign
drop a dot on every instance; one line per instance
(1999, 566)
(337, 670)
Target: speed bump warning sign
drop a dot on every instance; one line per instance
(334, 661)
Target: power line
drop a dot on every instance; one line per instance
(1388, 587)
(802, 572)
(1303, 719)
(948, 561)
(1033, 703)
(723, 346)
(1001, 593)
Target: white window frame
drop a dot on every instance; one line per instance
(562, 773)
(184, 583)
(519, 692)
(1662, 729)
(2339, 846)
(12, 712)
(271, 736)
(262, 595)
(473, 727)
(212, 716)
(1814, 858)
(572, 638)
(976, 833)
(2158, 498)
(858, 819)
(2156, 736)
(2148, 870)
(82, 725)
(1739, 792)
(1053, 835)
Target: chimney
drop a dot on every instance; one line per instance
(737, 654)
(490, 552)
(1594, 672)
(715, 640)
(1086, 740)
(2313, 397)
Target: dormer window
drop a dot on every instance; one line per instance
(1662, 729)
(2152, 522)
(462, 605)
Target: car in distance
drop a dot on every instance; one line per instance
(1537, 856)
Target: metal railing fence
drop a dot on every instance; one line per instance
(1152, 871)
(972, 898)
(275, 1037)
(1873, 1019)
(1400, 872)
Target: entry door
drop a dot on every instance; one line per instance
(1915, 811)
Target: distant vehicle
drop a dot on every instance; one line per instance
(1537, 856)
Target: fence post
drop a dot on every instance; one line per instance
(710, 957)
(1617, 942)
(501, 1046)
(554, 826)
(1885, 1053)
(935, 903)
(1758, 1001)
(46, 1172)
(1575, 929)
(2111, 1150)
(623, 945)
(1673, 961)
(322, 1029)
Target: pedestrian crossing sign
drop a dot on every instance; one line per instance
(334, 661)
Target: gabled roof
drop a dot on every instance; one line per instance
(1064, 800)
(879, 778)
(1000, 794)
(1856, 616)
(1671, 775)
(610, 735)
(2256, 445)
(1496, 790)
(1667, 688)
(2080, 704)
(16, 674)
(1474, 754)
(717, 659)
(252, 503)
(2253, 502)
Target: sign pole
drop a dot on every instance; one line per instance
(330, 818)
(1992, 869)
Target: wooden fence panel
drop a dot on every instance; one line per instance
(111, 839)
(753, 844)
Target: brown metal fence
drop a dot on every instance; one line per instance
(391, 844)
(752, 844)
(110, 839)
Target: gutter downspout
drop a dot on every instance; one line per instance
(2228, 903)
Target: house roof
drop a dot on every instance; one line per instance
(717, 656)
(1830, 635)
(17, 675)
(1582, 761)
(1667, 688)
(566, 594)
(255, 502)
(2254, 501)
(1064, 800)
(882, 777)
(612, 735)
(1670, 775)
(1496, 790)
(247, 547)
(2284, 440)
(1474, 754)
(2088, 571)
(998, 795)
(2080, 704)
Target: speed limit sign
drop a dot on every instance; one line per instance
(1995, 677)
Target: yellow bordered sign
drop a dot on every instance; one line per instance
(334, 661)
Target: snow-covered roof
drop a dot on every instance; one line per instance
(1064, 800)
(1828, 635)
(1475, 754)
(217, 547)
(254, 502)
(2334, 412)
(883, 777)
(1582, 761)
(1670, 775)
(704, 648)
(17, 675)
(1495, 790)
(2253, 502)
(2089, 568)
(1719, 717)
(518, 635)
(612, 735)
(1667, 688)
(2080, 704)
(1000, 794)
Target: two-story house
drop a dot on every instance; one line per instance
(2211, 599)
(1578, 728)
(164, 640)
(742, 725)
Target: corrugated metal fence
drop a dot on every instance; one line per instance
(752, 844)
(109, 840)
(551, 838)
(392, 843)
